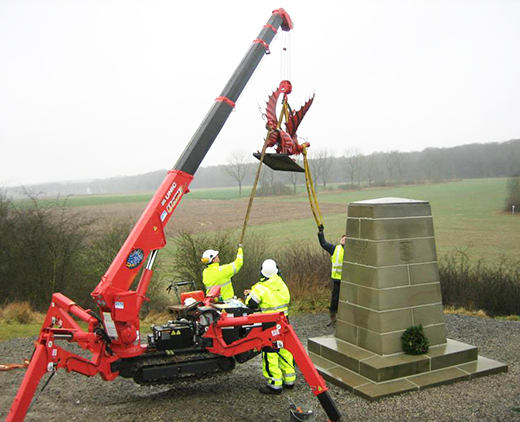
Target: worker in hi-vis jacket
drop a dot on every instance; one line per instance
(271, 295)
(220, 275)
(336, 256)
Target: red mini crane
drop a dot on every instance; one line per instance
(206, 339)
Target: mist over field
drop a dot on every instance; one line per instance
(350, 168)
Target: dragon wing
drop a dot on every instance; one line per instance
(296, 118)
(270, 110)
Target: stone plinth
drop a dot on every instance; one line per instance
(391, 276)
(391, 282)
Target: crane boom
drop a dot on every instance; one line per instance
(117, 334)
(120, 305)
(201, 345)
(210, 127)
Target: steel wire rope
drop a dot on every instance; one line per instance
(285, 56)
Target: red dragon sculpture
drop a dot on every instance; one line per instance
(285, 141)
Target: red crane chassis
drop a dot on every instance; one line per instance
(207, 338)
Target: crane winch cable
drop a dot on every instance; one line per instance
(285, 57)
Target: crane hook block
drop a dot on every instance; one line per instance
(286, 87)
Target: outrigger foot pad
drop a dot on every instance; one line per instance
(329, 406)
(280, 162)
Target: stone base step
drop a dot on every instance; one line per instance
(385, 368)
(371, 390)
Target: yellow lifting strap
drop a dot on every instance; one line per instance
(313, 199)
(253, 189)
(283, 114)
(8, 367)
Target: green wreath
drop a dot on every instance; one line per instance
(414, 341)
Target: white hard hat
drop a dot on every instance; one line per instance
(209, 256)
(269, 268)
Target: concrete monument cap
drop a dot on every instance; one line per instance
(390, 200)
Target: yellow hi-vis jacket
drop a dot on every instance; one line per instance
(220, 275)
(337, 262)
(272, 295)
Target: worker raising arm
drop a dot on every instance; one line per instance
(336, 255)
(220, 275)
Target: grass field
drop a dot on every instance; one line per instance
(10, 329)
(467, 217)
(17, 330)
(88, 200)
(467, 214)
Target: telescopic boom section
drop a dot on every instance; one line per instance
(214, 121)
(112, 294)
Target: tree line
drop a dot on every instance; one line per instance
(47, 247)
(349, 167)
(354, 169)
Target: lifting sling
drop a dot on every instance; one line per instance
(313, 199)
(286, 144)
(311, 192)
(253, 191)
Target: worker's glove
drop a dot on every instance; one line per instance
(240, 246)
(321, 228)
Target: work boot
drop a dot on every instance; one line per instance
(269, 390)
(333, 319)
(288, 386)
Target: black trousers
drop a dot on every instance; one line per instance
(334, 300)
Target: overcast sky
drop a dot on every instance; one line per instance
(95, 89)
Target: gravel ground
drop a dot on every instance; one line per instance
(234, 396)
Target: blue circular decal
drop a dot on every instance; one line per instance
(135, 258)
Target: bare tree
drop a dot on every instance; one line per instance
(353, 160)
(513, 193)
(294, 177)
(433, 164)
(321, 163)
(238, 167)
(371, 168)
(400, 163)
(396, 165)
(390, 165)
(315, 168)
(267, 179)
(44, 244)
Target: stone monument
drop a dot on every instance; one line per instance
(390, 282)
